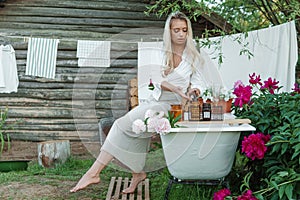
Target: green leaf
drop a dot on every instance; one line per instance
(283, 173)
(259, 196)
(284, 147)
(289, 191)
(281, 191)
(274, 184)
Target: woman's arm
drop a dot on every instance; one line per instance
(172, 88)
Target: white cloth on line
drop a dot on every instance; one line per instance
(274, 55)
(8, 70)
(41, 57)
(93, 53)
(150, 60)
(2, 81)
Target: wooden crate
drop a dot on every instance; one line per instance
(118, 184)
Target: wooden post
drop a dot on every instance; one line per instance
(51, 153)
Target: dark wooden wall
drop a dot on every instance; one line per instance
(69, 106)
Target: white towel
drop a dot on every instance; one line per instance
(2, 81)
(150, 60)
(8, 68)
(41, 57)
(275, 55)
(93, 53)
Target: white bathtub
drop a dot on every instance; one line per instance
(202, 150)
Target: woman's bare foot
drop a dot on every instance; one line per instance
(136, 179)
(85, 181)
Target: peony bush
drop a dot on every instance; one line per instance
(267, 165)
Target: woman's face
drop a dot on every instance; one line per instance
(178, 31)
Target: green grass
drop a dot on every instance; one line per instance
(63, 177)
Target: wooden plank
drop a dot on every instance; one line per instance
(139, 191)
(131, 196)
(110, 188)
(147, 192)
(115, 186)
(126, 181)
(118, 187)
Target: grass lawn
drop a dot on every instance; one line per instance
(41, 183)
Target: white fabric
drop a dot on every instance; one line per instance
(2, 81)
(150, 59)
(41, 57)
(274, 55)
(8, 70)
(93, 53)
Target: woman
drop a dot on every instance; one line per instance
(184, 68)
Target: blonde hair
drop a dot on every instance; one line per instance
(190, 46)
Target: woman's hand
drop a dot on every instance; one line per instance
(193, 92)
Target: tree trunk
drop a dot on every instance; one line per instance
(52, 153)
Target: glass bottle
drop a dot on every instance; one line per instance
(151, 86)
(206, 111)
(177, 111)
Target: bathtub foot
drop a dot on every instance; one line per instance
(168, 189)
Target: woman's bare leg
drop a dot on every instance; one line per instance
(136, 179)
(92, 175)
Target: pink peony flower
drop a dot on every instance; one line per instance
(221, 194)
(154, 122)
(243, 95)
(247, 196)
(138, 126)
(296, 88)
(254, 79)
(238, 83)
(163, 126)
(270, 85)
(254, 145)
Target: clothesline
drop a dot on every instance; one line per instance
(26, 38)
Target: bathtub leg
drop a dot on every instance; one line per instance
(168, 189)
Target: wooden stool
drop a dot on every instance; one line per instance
(115, 190)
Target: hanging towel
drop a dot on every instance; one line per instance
(41, 57)
(2, 81)
(8, 70)
(150, 60)
(274, 55)
(93, 53)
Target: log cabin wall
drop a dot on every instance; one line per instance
(70, 106)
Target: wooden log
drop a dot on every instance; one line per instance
(133, 92)
(98, 5)
(112, 25)
(133, 83)
(53, 153)
(32, 135)
(63, 12)
(133, 102)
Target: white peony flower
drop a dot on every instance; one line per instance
(138, 126)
